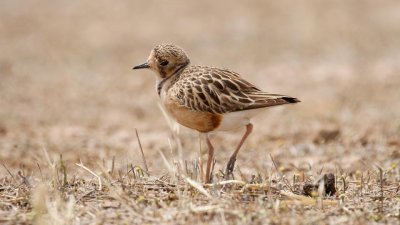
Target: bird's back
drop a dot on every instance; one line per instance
(214, 90)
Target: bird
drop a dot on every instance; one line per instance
(207, 99)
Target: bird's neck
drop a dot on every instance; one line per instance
(160, 83)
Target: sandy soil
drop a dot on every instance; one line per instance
(68, 96)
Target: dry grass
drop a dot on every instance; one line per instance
(70, 104)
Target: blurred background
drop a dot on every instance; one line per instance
(67, 85)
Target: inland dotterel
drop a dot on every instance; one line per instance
(207, 99)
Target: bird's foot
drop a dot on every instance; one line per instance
(229, 168)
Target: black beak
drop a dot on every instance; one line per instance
(142, 66)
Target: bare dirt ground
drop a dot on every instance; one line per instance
(70, 104)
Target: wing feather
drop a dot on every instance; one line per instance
(221, 91)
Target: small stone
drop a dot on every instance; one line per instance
(311, 189)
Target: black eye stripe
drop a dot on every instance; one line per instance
(163, 62)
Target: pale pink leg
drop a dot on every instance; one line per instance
(232, 160)
(209, 160)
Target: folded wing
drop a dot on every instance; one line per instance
(222, 91)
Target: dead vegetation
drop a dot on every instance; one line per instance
(82, 140)
(128, 195)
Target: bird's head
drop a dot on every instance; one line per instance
(166, 60)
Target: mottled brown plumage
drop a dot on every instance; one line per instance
(214, 90)
(205, 98)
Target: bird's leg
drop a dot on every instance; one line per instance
(232, 160)
(209, 160)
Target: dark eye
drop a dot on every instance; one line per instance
(164, 63)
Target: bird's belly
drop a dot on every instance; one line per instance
(200, 121)
(235, 120)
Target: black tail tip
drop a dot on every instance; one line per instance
(291, 99)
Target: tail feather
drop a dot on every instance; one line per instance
(263, 100)
(290, 99)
